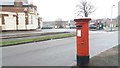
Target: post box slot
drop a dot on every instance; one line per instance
(79, 26)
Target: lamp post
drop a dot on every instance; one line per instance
(111, 17)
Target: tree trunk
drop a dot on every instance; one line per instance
(86, 15)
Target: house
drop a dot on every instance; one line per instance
(104, 23)
(112, 23)
(18, 15)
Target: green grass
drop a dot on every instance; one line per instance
(10, 43)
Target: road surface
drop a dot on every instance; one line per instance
(60, 52)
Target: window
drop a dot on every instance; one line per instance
(31, 19)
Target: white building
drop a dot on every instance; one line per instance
(18, 15)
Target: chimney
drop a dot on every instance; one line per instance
(18, 3)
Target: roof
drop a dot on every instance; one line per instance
(11, 2)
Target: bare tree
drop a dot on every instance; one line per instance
(85, 7)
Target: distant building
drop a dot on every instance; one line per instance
(114, 22)
(40, 23)
(18, 15)
(58, 24)
(104, 22)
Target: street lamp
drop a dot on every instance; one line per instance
(111, 17)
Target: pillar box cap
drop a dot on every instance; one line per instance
(82, 20)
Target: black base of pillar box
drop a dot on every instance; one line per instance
(82, 60)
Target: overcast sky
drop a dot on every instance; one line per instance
(65, 9)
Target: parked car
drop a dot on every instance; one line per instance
(92, 26)
(100, 26)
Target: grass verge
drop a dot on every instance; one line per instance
(16, 42)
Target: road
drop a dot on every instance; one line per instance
(60, 52)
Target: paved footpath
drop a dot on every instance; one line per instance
(106, 58)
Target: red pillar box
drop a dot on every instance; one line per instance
(82, 40)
